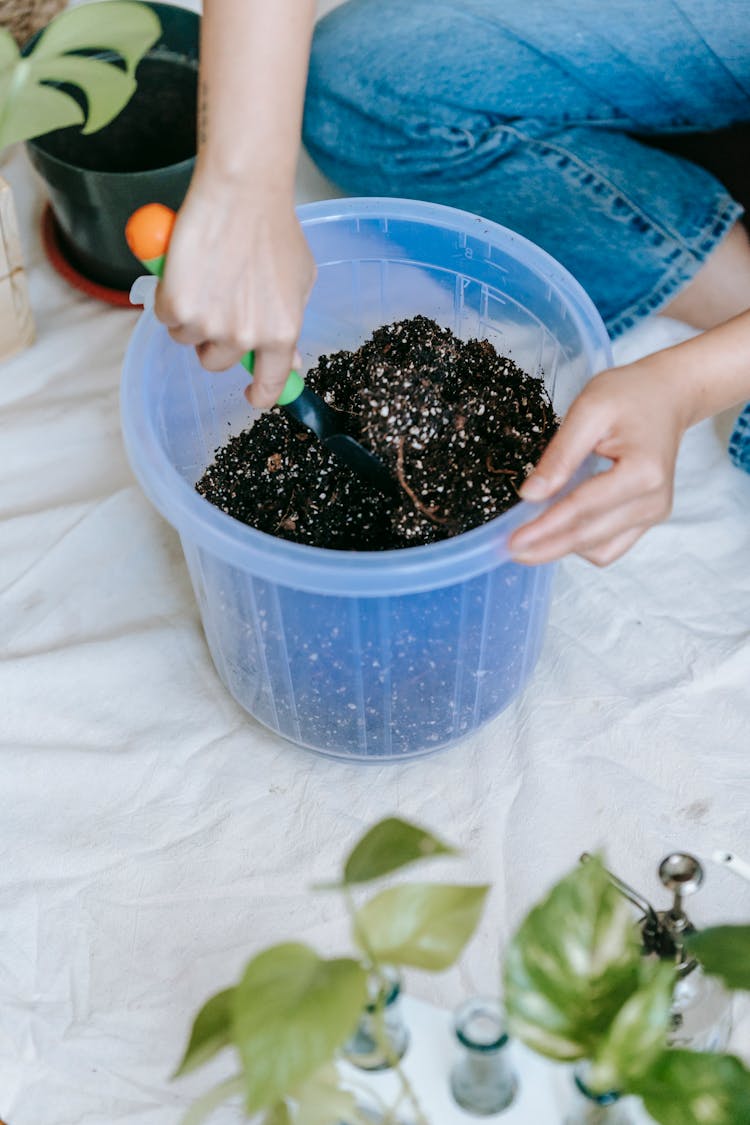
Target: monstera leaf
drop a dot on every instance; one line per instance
(31, 105)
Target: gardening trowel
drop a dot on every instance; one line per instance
(147, 232)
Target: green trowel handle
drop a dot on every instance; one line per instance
(293, 387)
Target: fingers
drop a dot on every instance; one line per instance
(597, 517)
(271, 371)
(591, 540)
(272, 361)
(582, 429)
(218, 355)
(236, 280)
(198, 328)
(613, 549)
(182, 326)
(271, 365)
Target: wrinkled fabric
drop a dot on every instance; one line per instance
(153, 836)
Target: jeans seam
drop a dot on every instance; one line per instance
(739, 441)
(724, 214)
(666, 231)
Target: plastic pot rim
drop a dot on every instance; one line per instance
(92, 173)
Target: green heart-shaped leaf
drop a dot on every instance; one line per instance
(389, 845)
(638, 1033)
(571, 966)
(425, 925)
(204, 1106)
(321, 1100)
(291, 1011)
(212, 1030)
(689, 1088)
(724, 951)
(278, 1115)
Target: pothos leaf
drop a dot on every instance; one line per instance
(638, 1034)
(421, 924)
(216, 1096)
(724, 951)
(212, 1030)
(321, 1100)
(278, 1115)
(571, 966)
(691, 1088)
(388, 846)
(291, 1011)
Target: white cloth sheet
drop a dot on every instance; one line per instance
(153, 836)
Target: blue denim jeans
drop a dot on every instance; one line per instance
(529, 113)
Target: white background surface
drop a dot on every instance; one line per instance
(153, 836)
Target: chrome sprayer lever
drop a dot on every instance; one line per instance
(662, 931)
(627, 892)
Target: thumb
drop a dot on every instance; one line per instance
(580, 432)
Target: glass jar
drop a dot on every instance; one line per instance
(372, 1109)
(482, 1080)
(701, 1013)
(381, 1037)
(588, 1108)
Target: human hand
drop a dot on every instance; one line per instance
(635, 416)
(237, 278)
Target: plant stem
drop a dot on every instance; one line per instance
(375, 967)
(407, 1090)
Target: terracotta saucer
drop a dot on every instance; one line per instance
(54, 251)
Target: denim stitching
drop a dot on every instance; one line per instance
(739, 442)
(725, 214)
(573, 158)
(679, 263)
(482, 139)
(684, 261)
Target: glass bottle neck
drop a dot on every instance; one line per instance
(590, 1108)
(610, 1097)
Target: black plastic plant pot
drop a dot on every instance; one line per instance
(145, 155)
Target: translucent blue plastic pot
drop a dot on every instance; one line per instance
(371, 655)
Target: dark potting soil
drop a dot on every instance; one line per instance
(459, 426)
